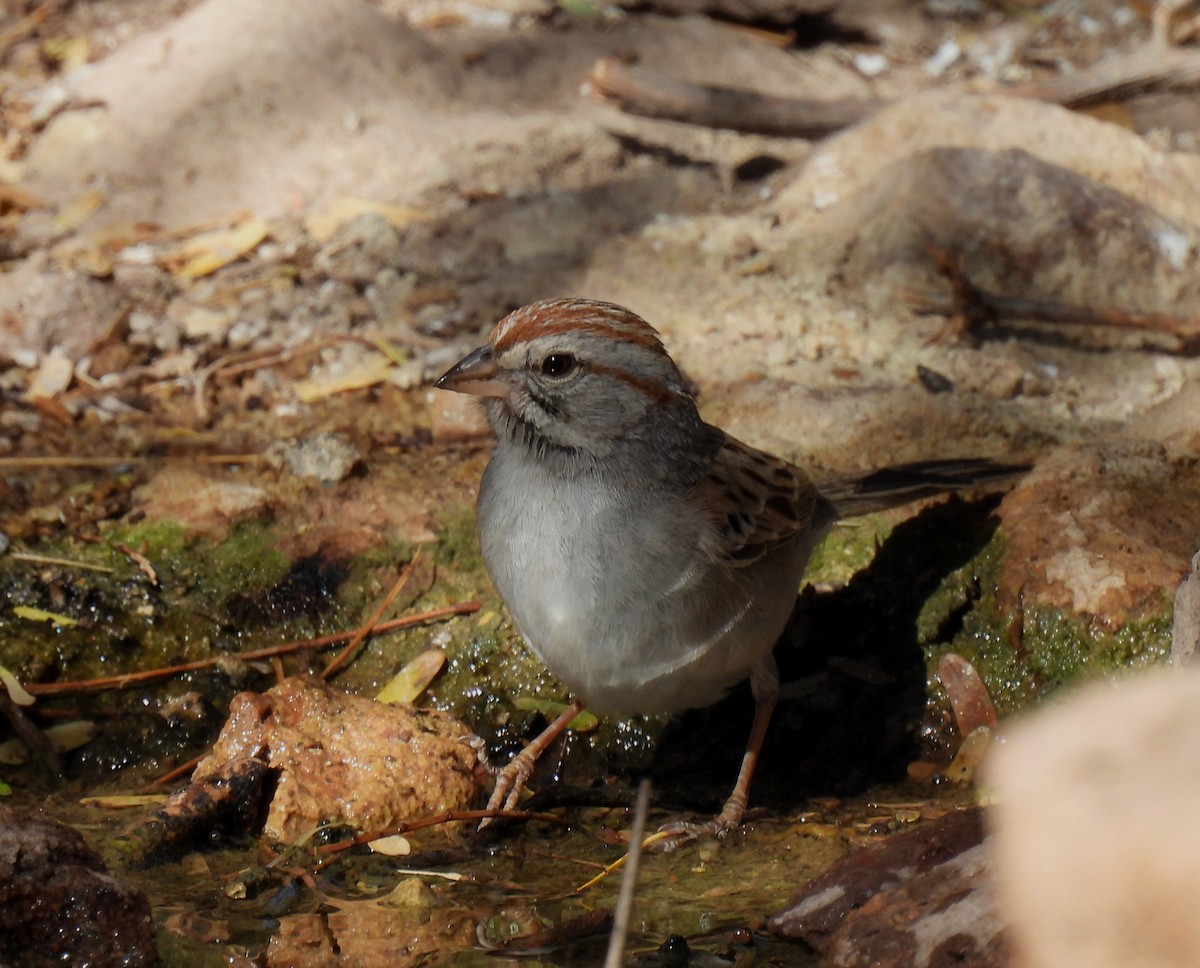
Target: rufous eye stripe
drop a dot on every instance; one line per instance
(559, 316)
(652, 389)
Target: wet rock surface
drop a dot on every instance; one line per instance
(920, 898)
(59, 905)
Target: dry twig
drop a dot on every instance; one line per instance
(653, 95)
(648, 94)
(1147, 69)
(973, 306)
(342, 657)
(615, 957)
(329, 851)
(151, 675)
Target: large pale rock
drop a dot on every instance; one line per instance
(1020, 225)
(1106, 153)
(1097, 857)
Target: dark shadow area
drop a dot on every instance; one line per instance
(853, 678)
(1095, 338)
(809, 30)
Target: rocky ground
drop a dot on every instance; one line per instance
(239, 241)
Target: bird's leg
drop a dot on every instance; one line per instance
(509, 780)
(764, 683)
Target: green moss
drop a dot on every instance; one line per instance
(1021, 655)
(126, 621)
(203, 571)
(849, 548)
(457, 543)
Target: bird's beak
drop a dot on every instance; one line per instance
(475, 373)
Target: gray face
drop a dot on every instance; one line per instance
(574, 378)
(582, 391)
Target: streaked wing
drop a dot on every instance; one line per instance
(756, 500)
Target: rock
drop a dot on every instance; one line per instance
(1102, 531)
(349, 760)
(200, 503)
(360, 250)
(945, 916)
(1092, 544)
(327, 458)
(45, 308)
(1021, 226)
(59, 905)
(228, 62)
(1185, 630)
(920, 898)
(1173, 421)
(1097, 861)
(852, 163)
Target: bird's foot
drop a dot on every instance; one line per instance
(680, 832)
(509, 782)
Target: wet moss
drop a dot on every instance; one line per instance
(848, 549)
(457, 542)
(1023, 652)
(128, 622)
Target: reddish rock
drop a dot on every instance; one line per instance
(946, 916)
(921, 898)
(347, 759)
(820, 907)
(1103, 530)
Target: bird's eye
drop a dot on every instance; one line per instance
(558, 364)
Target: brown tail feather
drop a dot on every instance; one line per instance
(864, 493)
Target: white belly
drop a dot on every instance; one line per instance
(620, 600)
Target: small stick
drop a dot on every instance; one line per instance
(621, 916)
(1147, 69)
(183, 769)
(974, 305)
(26, 25)
(366, 629)
(330, 851)
(149, 675)
(654, 95)
(21, 463)
(63, 562)
(235, 364)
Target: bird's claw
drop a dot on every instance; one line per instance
(509, 782)
(676, 834)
